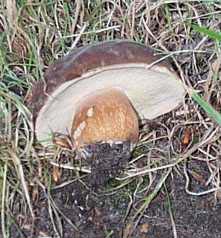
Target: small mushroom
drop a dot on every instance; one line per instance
(97, 94)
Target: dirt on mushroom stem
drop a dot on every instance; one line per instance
(107, 160)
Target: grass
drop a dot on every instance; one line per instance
(211, 112)
(214, 35)
(35, 34)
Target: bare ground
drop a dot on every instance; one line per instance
(82, 213)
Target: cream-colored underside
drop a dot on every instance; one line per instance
(152, 92)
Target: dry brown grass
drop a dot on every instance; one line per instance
(34, 34)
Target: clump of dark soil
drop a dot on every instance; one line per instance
(106, 160)
(76, 211)
(82, 213)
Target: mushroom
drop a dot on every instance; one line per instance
(98, 93)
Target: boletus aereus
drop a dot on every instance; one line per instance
(97, 94)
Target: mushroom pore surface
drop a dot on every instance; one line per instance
(104, 116)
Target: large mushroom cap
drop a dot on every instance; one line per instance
(153, 89)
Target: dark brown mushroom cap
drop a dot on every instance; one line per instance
(87, 58)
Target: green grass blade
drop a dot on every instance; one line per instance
(211, 112)
(214, 35)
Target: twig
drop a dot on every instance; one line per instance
(3, 200)
(21, 175)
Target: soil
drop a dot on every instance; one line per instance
(80, 212)
(105, 160)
